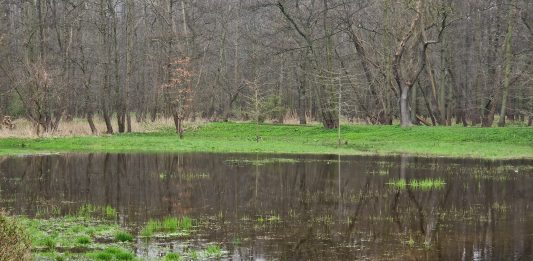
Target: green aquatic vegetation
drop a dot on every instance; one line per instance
(68, 233)
(428, 184)
(398, 184)
(213, 251)
(110, 212)
(418, 184)
(170, 224)
(190, 176)
(83, 240)
(46, 211)
(123, 236)
(150, 228)
(193, 254)
(272, 218)
(324, 219)
(87, 210)
(411, 242)
(167, 225)
(186, 223)
(91, 211)
(172, 257)
(53, 255)
(49, 242)
(111, 253)
(259, 162)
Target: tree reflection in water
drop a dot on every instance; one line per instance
(327, 207)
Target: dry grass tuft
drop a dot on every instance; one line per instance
(14, 241)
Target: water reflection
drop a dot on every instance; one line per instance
(307, 208)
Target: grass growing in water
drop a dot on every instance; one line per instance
(419, 184)
(90, 210)
(213, 251)
(68, 233)
(260, 162)
(83, 240)
(172, 257)
(167, 225)
(123, 236)
(111, 253)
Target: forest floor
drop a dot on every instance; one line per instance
(489, 143)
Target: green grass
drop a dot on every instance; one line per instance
(111, 253)
(213, 251)
(490, 143)
(123, 236)
(172, 257)
(67, 232)
(89, 210)
(83, 240)
(167, 225)
(418, 184)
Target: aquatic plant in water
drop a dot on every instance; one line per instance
(213, 251)
(172, 257)
(259, 162)
(123, 236)
(83, 240)
(167, 225)
(419, 184)
(111, 253)
(90, 211)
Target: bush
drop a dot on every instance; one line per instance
(14, 242)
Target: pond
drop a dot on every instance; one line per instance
(288, 207)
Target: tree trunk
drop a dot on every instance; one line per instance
(302, 86)
(105, 94)
(91, 122)
(507, 70)
(405, 117)
(178, 125)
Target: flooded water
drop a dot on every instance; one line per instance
(279, 207)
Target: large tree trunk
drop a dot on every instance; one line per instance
(302, 86)
(178, 123)
(105, 93)
(405, 117)
(507, 70)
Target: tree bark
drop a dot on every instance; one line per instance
(507, 70)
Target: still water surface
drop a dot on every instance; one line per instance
(280, 207)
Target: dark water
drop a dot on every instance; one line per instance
(313, 208)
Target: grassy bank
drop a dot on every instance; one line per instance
(492, 143)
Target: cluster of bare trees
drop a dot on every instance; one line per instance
(432, 62)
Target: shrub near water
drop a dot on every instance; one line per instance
(14, 243)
